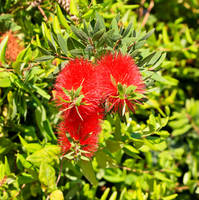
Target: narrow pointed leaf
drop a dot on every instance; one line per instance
(87, 170)
(3, 46)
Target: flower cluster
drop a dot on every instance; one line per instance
(13, 47)
(84, 92)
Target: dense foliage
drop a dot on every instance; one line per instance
(151, 153)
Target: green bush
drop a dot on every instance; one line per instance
(149, 154)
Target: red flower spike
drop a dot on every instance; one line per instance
(75, 89)
(62, 138)
(82, 135)
(120, 81)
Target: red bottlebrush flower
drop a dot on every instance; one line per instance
(121, 83)
(62, 138)
(75, 89)
(80, 136)
(13, 46)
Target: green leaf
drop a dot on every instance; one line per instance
(130, 89)
(186, 177)
(25, 178)
(105, 194)
(3, 46)
(46, 32)
(155, 58)
(6, 166)
(22, 162)
(98, 34)
(52, 44)
(188, 35)
(21, 56)
(99, 23)
(73, 44)
(72, 191)
(57, 195)
(12, 106)
(62, 43)
(120, 89)
(44, 58)
(147, 60)
(42, 92)
(56, 26)
(40, 114)
(44, 51)
(170, 197)
(163, 56)
(104, 160)
(4, 78)
(123, 193)
(113, 196)
(130, 150)
(87, 170)
(139, 44)
(159, 78)
(79, 100)
(5, 145)
(152, 122)
(148, 34)
(2, 173)
(76, 52)
(165, 36)
(182, 130)
(114, 26)
(113, 145)
(114, 175)
(127, 30)
(74, 7)
(162, 177)
(79, 33)
(61, 18)
(47, 176)
(49, 154)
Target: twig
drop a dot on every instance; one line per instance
(42, 12)
(8, 70)
(60, 171)
(59, 176)
(140, 171)
(192, 123)
(116, 44)
(181, 188)
(141, 8)
(17, 194)
(3, 180)
(151, 5)
(131, 46)
(63, 57)
(90, 4)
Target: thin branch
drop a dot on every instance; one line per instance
(141, 8)
(59, 176)
(151, 5)
(90, 4)
(17, 194)
(192, 123)
(131, 46)
(116, 44)
(140, 171)
(48, 197)
(182, 188)
(42, 12)
(60, 171)
(3, 180)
